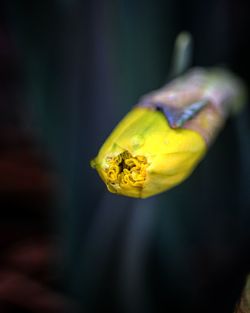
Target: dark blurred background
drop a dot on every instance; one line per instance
(69, 71)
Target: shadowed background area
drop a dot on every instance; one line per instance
(69, 71)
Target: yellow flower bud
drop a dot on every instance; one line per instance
(143, 156)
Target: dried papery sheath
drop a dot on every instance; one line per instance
(199, 100)
(162, 139)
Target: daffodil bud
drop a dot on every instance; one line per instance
(144, 156)
(161, 140)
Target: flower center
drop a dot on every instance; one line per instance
(126, 171)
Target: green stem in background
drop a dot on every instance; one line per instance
(182, 54)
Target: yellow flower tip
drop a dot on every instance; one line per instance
(143, 156)
(93, 163)
(125, 172)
